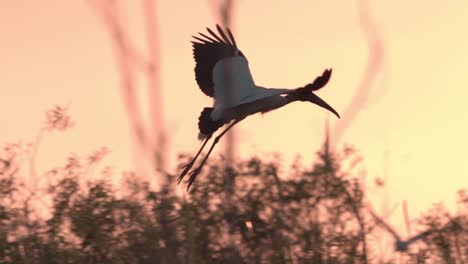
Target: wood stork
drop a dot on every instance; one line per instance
(222, 72)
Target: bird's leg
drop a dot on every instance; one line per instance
(190, 164)
(195, 172)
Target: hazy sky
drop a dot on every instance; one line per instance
(59, 52)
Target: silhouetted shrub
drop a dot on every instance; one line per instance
(267, 214)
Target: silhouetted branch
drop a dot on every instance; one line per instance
(109, 14)
(400, 245)
(159, 146)
(127, 58)
(406, 217)
(373, 67)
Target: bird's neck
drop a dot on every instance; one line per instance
(296, 95)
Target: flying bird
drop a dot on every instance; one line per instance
(222, 72)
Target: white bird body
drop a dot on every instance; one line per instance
(234, 85)
(222, 72)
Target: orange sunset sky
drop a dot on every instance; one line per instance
(59, 52)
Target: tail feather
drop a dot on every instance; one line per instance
(206, 125)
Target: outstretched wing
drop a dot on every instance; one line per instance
(207, 51)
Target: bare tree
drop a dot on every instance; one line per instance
(130, 61)
(400, 245)
(223, 9)
(374, 65)
(154, 90)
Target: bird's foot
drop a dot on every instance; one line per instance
(184, 172)
(193, 175)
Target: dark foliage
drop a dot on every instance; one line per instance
(316, 215)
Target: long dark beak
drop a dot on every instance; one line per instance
(313, 98)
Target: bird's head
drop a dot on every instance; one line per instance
(305, 94)
(313, 98)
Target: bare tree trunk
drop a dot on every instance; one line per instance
(374, 65)
(154, 90)
(114, 22)
(146, 157)
(226, 12)
(225, 9)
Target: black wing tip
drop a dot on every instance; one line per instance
(200, 40)
(218, 27)
(229, 39)
(208, 39)
(208, 49)
(232, 38)
(223, 35)
(220, 40)
(215, 39)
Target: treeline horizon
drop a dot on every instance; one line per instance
(319, 214)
